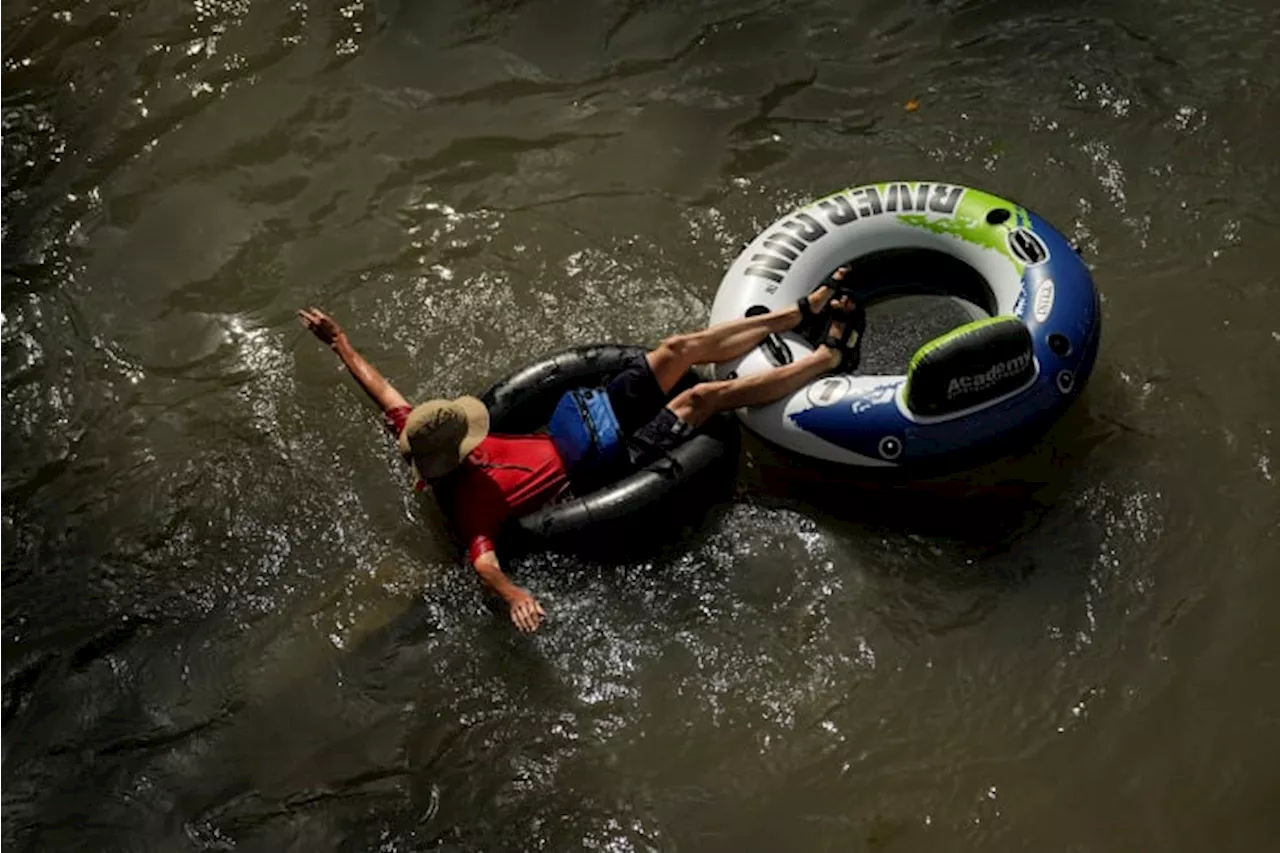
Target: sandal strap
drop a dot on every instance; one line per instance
(807, 314)
(853, 324)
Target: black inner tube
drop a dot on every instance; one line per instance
(522, 403)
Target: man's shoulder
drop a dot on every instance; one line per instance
(395, 418)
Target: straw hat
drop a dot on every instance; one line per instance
(439, 434)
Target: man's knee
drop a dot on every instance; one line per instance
(695, 405)
(678, 346)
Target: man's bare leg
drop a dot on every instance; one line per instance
(696, 405)
(724, 341)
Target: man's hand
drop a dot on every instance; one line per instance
(374, 384)
(321, 325)
(526, 612)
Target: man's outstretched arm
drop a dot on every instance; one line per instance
(374, 383)
(525, 610)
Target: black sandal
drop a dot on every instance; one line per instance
(813, 324)
(855, 323)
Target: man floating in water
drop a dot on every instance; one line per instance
(483, 479)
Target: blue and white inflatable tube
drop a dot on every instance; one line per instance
(980, 389)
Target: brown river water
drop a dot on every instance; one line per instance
(229, 624)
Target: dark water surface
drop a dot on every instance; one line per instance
(228, 624)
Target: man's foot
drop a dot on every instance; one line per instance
(843, 337)
(813, 308)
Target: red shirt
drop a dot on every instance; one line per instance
(505, 476)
